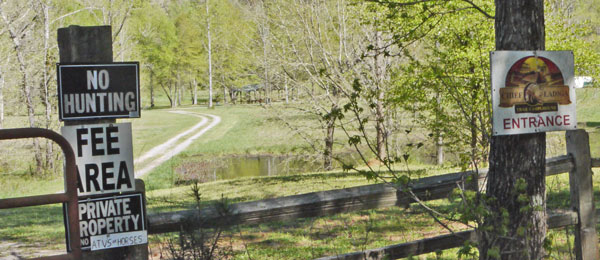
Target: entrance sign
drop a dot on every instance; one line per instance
(96, 91)
(104, 157)
(532, 91)
(114, 221)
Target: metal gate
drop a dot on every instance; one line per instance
(69, 196)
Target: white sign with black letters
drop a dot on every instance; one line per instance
(110, 222)
(104, 157)
(93, 91)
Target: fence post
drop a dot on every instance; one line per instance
(582, 195)
(85, 44)
(93, 44)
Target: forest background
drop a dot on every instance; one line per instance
(384, 79)
(350, 65)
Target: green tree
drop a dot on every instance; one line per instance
(568, 31)
(157, 41)
(446, 84)
(449, 86)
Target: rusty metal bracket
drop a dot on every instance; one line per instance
(69, 196)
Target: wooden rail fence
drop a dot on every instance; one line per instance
(329, 202)
(577, 162)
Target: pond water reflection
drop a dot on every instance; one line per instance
(225, 168)
(266, 165)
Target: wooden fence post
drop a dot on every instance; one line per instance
(93, 44)
(582, 195)
(85, 44)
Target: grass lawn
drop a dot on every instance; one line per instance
(298, 239)
(243, 130)
(314, 237)
(250, 129)
(156, 127)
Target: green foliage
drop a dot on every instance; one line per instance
(494, 253)
(468, 250)
(446, 81)
(172, 44)
(566, 30)
(157, 41)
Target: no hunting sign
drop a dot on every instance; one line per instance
(92, 93)
(532, 91)
(95, 91)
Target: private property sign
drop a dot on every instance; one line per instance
(96, 91)
(104, 157)
(532, 91)
(114, 221)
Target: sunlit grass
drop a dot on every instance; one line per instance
(250, 129)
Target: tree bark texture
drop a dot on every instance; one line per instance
(224, 94)
(440, 150)
(380, 77)
(85, 44)
(26, 84)
(287, 96)
(195, 87)
(328, 152)
(2, 82)
(49, 160)
(151, 89)
(178, 88)
(440, 139)
(516, 228)
(210, 87)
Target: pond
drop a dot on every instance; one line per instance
(232, 167)
(266, 165)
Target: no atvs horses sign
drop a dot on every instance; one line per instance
(110, 222)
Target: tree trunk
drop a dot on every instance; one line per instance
(179, 94)
(210, 94)
(2, 82)
(25, 84)
(169, 93)
(224, 95)
(380, 78)
(30, 106)
(440, 149)
(264, 38)
(473, 125)
(174, 93)
(380, 127)
(49, 161)
(439, 144)
(30, 111)
(517, 162)
(151, 89)
(195, 86)
(328, 151)
(178, 88)
(287, 94)
(473, 139)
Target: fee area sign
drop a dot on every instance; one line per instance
(532, 91)
(95, 91)
(104, 157)
(113, 221)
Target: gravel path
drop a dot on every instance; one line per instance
(171, 148)
(159, 154)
